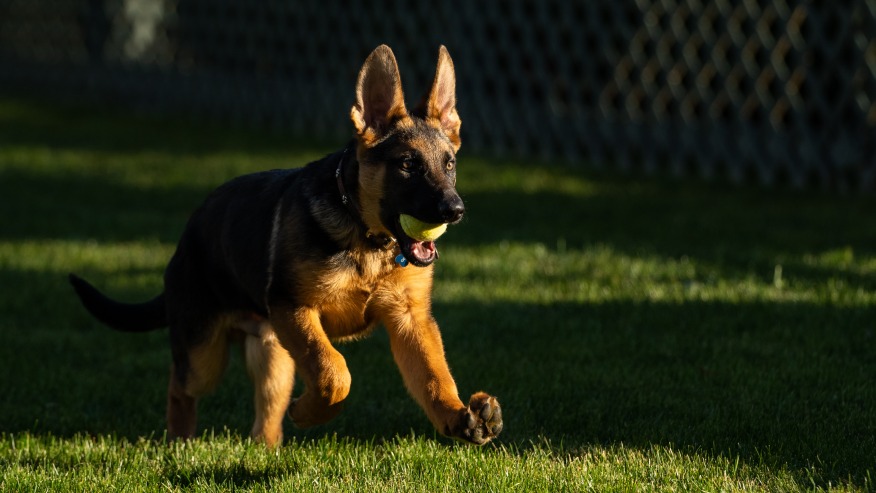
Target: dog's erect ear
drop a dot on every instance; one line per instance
(379, 97)
(439, 106)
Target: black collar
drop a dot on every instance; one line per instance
(379, 240)
(339, 176)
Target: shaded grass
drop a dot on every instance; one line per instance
(642, 335)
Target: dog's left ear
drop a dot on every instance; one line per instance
(439, 106)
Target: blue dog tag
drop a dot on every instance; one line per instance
(401, 260)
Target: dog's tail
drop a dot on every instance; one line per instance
(126, 317)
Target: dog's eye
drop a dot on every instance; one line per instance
(408, 164)
(450, 165)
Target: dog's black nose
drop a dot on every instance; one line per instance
(452, 209)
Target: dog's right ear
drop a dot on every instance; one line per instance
(379, 98)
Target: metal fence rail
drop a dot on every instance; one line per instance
(774, 92)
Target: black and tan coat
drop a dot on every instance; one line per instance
(288, 261)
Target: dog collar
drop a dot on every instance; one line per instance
(379, 240)
(339, 176)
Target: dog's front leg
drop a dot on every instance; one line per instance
(419, 353)
(323, 368)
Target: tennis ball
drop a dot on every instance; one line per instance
(419, 230)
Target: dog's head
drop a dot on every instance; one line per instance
(407, 161)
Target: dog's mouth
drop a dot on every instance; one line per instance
(419, 253)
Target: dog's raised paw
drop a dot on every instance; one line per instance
(481, 421)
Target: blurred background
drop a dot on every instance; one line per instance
(766, 92)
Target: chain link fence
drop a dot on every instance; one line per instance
(772, 92)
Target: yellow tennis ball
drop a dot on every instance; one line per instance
(419, 230)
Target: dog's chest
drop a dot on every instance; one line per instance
(349, 296)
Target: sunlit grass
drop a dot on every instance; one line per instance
(400, 464)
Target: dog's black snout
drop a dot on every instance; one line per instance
(452, 209)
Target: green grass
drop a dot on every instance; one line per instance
(642, 335)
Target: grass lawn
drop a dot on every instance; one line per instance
(643, 335)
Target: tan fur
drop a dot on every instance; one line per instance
(272, 371)
(322, 367)
(208, 361)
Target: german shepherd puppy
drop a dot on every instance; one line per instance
(288, 261)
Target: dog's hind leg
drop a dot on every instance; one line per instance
(182, 410)
(272, 371)
(196, 371)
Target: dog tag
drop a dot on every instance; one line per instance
(401, 260)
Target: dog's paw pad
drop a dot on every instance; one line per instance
(481, 421)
